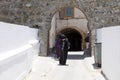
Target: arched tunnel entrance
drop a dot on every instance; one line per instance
(74, 38)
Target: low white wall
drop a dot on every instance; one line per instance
(18, 45)
(98, 35)
(111, 52)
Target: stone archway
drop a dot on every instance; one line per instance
(90, 11)
(78, 27)
(48, 22)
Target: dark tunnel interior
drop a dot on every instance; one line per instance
(74, 38)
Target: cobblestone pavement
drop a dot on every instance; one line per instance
(78, 68)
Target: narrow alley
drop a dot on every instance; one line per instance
(78, 67)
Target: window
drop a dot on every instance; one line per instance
(66, 13)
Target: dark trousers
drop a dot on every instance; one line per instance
(63, 57)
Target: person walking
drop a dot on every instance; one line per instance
(58, 45)
(64, 50)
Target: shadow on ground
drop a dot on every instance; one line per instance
(78, 56)
(75, 57)
(86, 53)
(96, 66)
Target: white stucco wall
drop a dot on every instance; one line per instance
(111, 52)
(18, 45)
(78, 21)
(12, 37)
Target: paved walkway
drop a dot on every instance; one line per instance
(78, 68)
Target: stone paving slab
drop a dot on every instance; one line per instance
(77, 68)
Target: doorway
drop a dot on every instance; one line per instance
(74, 38)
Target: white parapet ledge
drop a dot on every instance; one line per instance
(32, 42)
(13, 25)
(14, 52)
